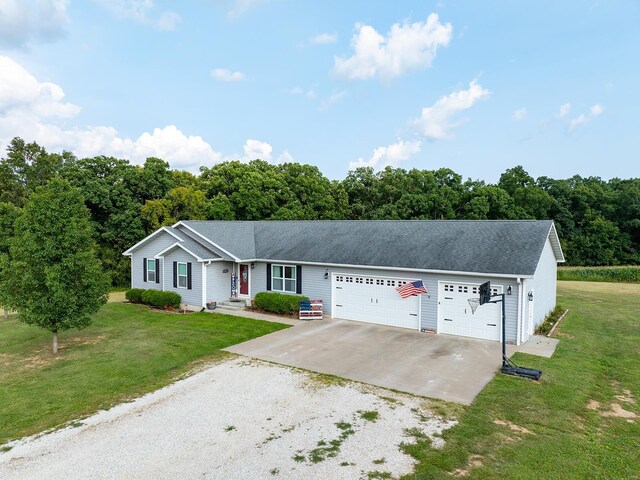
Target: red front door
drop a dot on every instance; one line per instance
(244, 279)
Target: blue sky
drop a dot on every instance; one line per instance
(477, 87)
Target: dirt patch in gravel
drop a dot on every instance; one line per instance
(239, 419)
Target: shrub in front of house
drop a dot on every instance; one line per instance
(278, 302)
(154, 298)
(134, 295)
(160, 299)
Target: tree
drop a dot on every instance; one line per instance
(112, 191)
(182, 203)
(27, 166)
(54, 279)
(8, 215)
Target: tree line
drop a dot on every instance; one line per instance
(598, 221)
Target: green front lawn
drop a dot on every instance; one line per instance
(128, 351)
(519, 429)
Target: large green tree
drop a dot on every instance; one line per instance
(8, 215)
(54, 278)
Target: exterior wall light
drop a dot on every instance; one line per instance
(326, 274)
(509, 290)
(530, 296)
(253, 265)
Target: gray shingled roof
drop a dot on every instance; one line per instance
(237, 238)
(510, 247)
(195, 247)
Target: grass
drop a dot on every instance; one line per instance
(519, 429)
(369, 415)
(331, 449)
(128, 351)
(630, 274)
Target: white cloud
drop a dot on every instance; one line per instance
(285, 157)
(23, 22)
(406, 48)
(258, 150)
(142, 11)
(436, 122)
(332, 99)
(324, 38)
(225, 75)
(520, 114)
(21, 92)
(390, 155)
(36, 111)
(255, 149)
(311, 93)
(240, 7)
(565, 108)
(582, 119)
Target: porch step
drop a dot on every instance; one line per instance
(231, 305)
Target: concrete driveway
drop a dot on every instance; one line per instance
(437, 366)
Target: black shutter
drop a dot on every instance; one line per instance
(175, 274)
(268, 277)
(144, 269)
(189, 276)
(157, 270)
(298, 279)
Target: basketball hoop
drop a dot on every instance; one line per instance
(474, 303)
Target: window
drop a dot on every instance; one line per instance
(151, 270)
(283, 278)
(182, 275)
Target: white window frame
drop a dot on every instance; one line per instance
(155, 274)
(186, 275)
(284, 278)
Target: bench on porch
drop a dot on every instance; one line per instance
(310, 310)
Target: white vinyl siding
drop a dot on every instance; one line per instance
(191, 297)
(219, 282)
(148, 251)
(543, 286)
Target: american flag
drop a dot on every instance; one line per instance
(411, 288)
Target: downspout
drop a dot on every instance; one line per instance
(519, 322)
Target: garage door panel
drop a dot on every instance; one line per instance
(374, 300)
(456, 318)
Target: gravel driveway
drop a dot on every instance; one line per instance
(237, 419)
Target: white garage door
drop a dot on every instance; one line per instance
(454, 312)
(374, 300)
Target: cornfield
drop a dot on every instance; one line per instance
(600, 274)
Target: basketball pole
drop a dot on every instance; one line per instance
(508, 367)
(504, 326)
(504, 332)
